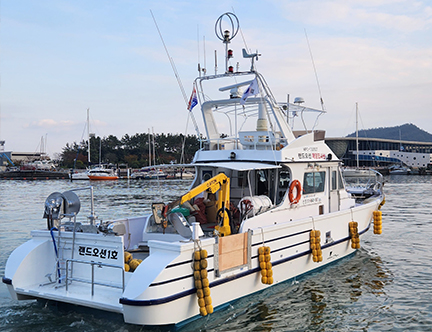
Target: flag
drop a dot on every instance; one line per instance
(193, 101)
(252, 90)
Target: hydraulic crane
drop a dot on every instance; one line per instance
(219, 182)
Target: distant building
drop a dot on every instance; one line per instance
(8, 157)
(5, 157)
(381, 152)
(28, 156)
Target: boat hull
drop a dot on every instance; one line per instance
(79, 176)
(291, 257)
(183, 306)
(101, 178)
(164, 283)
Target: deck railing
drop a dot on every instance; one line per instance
(92, 281)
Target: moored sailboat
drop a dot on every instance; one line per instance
(357, 172)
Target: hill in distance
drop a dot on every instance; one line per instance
(405, 132)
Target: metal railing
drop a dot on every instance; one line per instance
(92, 281)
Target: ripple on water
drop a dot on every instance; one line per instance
(385, 286)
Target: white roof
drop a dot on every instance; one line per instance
(239, 166)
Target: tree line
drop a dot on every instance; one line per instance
(131, 150)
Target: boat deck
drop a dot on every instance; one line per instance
(78, 293)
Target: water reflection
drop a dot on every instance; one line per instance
(340, 295)
(318, 306)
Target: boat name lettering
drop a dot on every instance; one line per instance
(96, 252)
(311, 155)
(310, 148)
(311, 200)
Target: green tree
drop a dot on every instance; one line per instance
(132, 150)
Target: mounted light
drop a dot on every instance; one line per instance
(232, 155)
(231, 69)
(226, 35)
(230, 54)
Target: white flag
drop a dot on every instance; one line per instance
(252, 90)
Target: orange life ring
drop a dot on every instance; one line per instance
(295, 184)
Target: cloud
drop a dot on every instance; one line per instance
(402, 15)
(50, 123)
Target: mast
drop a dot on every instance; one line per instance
(41, 150)
(226, 35)
(149, 144)
(88, 135)
(357, 143)
(154, 151)
(100, 150)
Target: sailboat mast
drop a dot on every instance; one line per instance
(41, 147)
(149, 143)
(88, 134)
(154, 149)
(357, 143)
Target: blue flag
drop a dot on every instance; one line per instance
(193, 101)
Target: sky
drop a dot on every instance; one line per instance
(59, 58)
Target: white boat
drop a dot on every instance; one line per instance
(101, 172)
(349, 172)
(399, 170)
(149, 173)
(275, 207)
(357, 171)
(79, 175)
(185, 174)
(83, 175)
(39, 165)
(98, 172)
(364, 187)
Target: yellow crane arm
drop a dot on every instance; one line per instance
(212, 185)
(219, 182)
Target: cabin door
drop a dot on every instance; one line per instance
(334, 197)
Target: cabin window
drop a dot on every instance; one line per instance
(334, 180)
(242, 179)
(340, 180)
(207, 175)
(284, 179)
(262, 183)
(313, 182)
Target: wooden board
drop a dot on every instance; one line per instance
(232, 251)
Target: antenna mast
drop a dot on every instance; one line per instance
(227, 35)
(88, 135)
(357, 141)
(176, 75)
(316, 75)
(216, 67)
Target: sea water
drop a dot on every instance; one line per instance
(384, 286)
